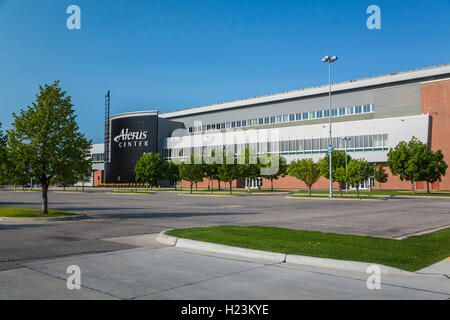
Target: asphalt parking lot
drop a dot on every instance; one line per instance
(117, 215)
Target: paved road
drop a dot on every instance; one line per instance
(175, 273)
(115, 215)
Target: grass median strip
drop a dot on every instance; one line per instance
(410, 254)
(19, 212)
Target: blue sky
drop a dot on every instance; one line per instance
(168, 54)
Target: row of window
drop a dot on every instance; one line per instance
(98, 157)
(311, 145)
(338, 112)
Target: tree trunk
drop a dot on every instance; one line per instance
(271, 184)
(191, 186)
(44, 199)
(231, 190)
(357, 190)
(428, 187)
(196, 186)
(309, 190)
(413, 190)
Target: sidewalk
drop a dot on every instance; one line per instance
(153, 272)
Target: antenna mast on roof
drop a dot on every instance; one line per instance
(107, 128)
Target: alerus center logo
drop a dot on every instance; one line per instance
(128, 138)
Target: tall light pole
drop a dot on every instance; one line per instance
(330, 60)
(345, 141)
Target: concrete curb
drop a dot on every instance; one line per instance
(54, 219)
(336, 198)
(208, 195)
(275, 257)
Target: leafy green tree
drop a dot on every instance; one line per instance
(250, 168)
(305, 170)
(410, 161)
(3, 158)
(211, 170)
(282, 170)
(436, 168)
(338, 161)
(358, 171)
(45, 139)
(84, 172)
(150, 168)
(380, 174)
(228, 172)
(191, 172)
(340, 176)
(172, 172)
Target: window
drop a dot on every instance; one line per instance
(292, 117)
(244, 123)
(326, 113)
(312, 115)
(358, 109)
(208, 127)
(305, 116)
(233, 124)
(272, 119)
(366, 108)
(298, 116)
(228, 125)
(334, 112)
(279, 119)
(261, 120)
(285, 118)
(342, 111)
(266, 120)
(319, 114)
(238, 124)
(222, 126)
(350, 110)
(190, 130)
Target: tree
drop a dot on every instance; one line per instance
(358, 171)
(150, 168)
(191, 172)
(410, 161)
(380, 174)
(211, 170)
(3, 157)
(436, 168)
(229, 172)
(340, 176)
(45, 139)
(84, 172)
(172, 172)
(338, 161)
(250, 169)
(282, 170)
(305, 170)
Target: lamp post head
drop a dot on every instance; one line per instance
(333, 59)
(326, 59)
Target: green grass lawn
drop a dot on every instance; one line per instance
(215, 193)
(337, 196)
(411, 254)
(19, 212)
(380, 193)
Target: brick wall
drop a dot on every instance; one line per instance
(436, 101)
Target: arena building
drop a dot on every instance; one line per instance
(376, 113)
